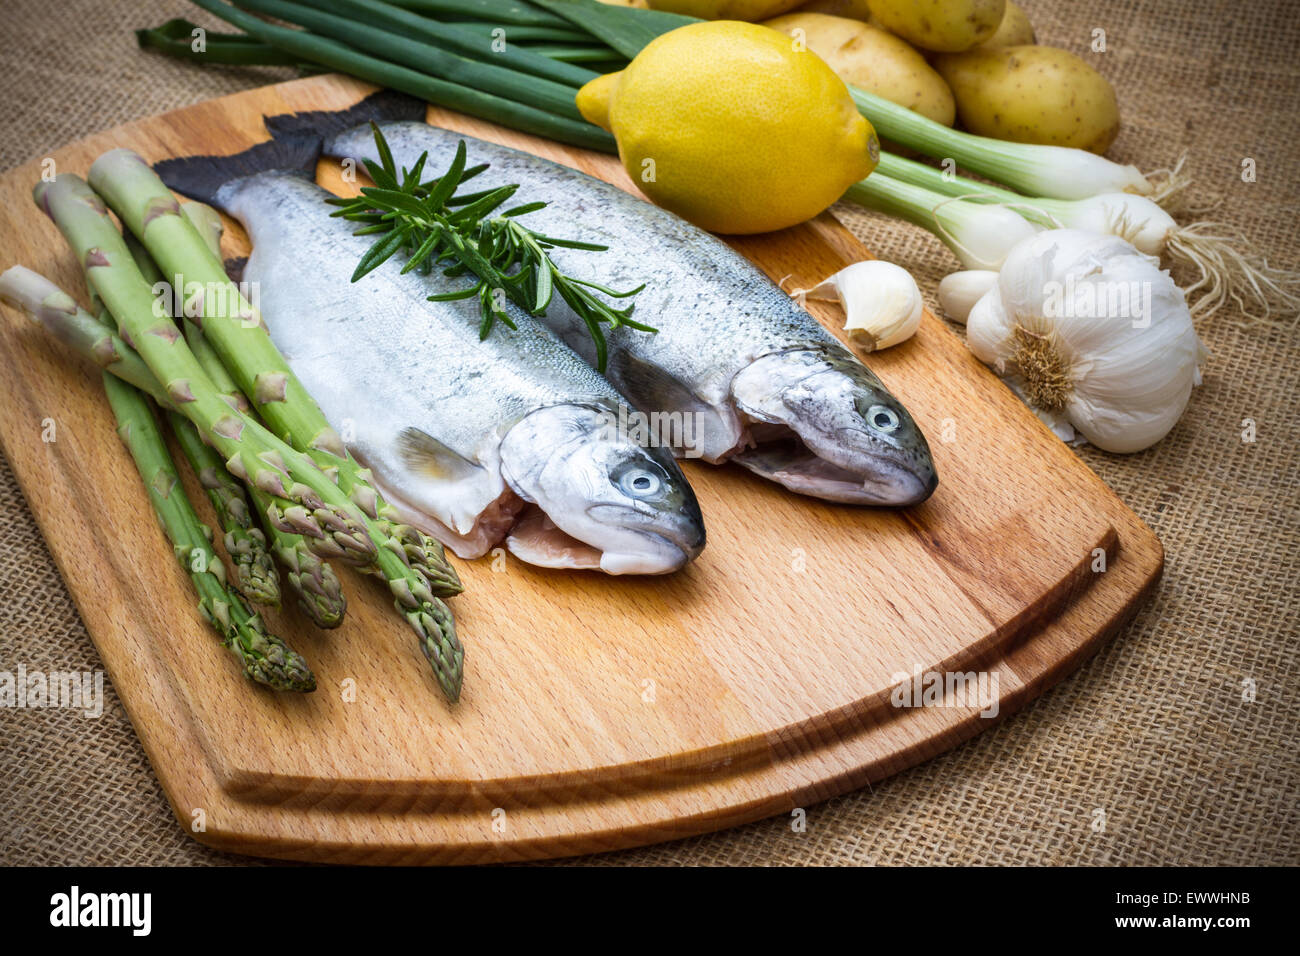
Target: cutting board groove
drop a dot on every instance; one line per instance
(597, 713)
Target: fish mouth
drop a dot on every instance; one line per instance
(538, 540)
(790, 463)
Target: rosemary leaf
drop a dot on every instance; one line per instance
(464, 235)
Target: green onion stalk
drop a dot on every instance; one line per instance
(303, 499)
(514, 113)
(509, 12)
(1058, 172)
(546, 95)
(1230, 268)
(979, 235)
(495, 52)
(176, 38)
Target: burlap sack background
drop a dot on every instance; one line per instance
(1153, 731)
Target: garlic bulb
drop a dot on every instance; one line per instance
(882, 304)
(1093, 335)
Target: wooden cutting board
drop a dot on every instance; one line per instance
(597, 712)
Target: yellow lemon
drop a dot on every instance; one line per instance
(734, 127)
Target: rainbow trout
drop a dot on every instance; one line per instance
(514, 437)
(739, 370)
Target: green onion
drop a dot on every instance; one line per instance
(467, 39)
(1228, 265)
(574, 52)
(176, 38)
(517, 34)
(503, 12)
(433, 89)
(625, 29)
(1055, 171)
(490, 78)
(979, 235)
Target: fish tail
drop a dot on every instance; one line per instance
(201, 177)
(384, 106)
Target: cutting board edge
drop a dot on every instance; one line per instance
(736, 755)
(1147, 553)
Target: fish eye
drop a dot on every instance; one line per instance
(639, 483)
(882, 418)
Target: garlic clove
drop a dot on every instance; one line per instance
(988, 328)
(959, 291)
(881, 301)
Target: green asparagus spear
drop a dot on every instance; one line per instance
(56, 311)
(229, 321)
(319, 592)
(245, 543)
(194, 337)
(318, 589)
(264, 657)
(304, 499)
(317, 586)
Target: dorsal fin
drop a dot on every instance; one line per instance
(201, 177)
(384, 106)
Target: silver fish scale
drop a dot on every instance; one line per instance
(403, 361)
(716, 311)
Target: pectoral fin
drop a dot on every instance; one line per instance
(649, 386)
(441, 482)
(701, 431)
(432, 460)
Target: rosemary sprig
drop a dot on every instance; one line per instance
(463, 234)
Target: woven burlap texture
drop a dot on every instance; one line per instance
(1154, 731)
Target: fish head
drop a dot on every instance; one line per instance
(626, 500)
(823, 425)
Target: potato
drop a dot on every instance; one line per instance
(1032, 94)
(853, 9)
(1014, 30)
(870, 58)
(749, 10)
(946, 26)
